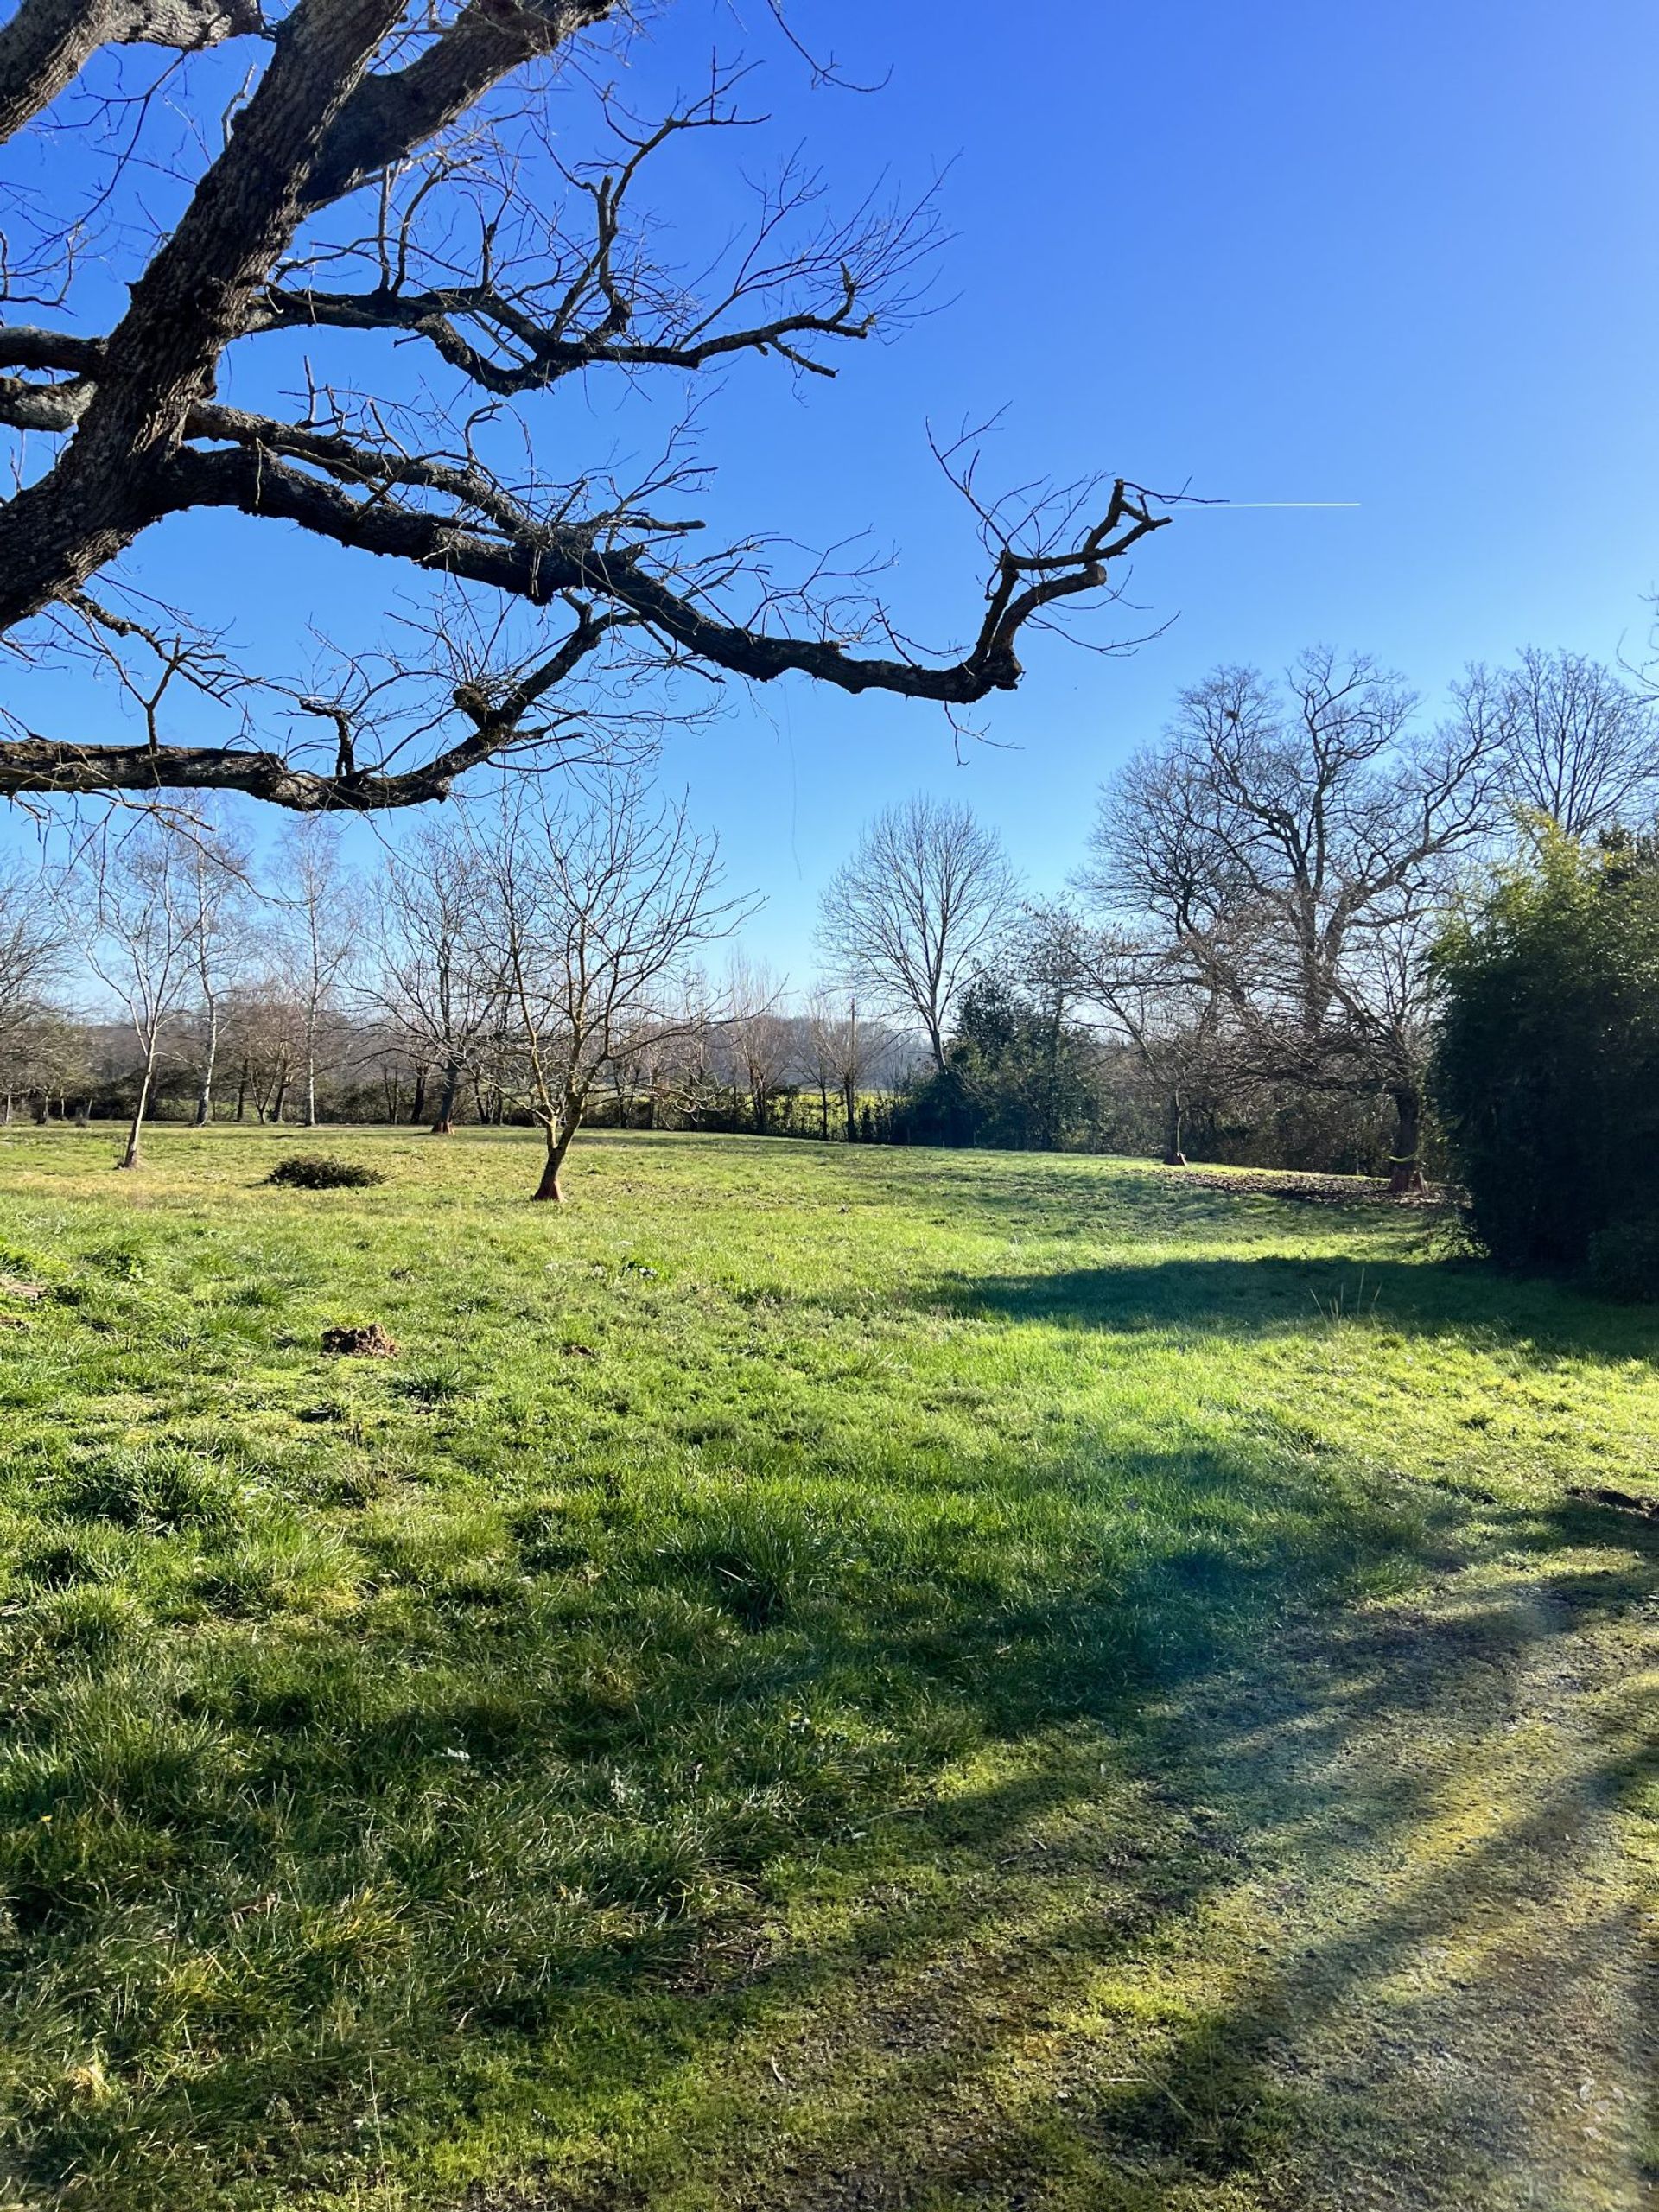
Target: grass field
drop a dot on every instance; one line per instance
(818, 1678)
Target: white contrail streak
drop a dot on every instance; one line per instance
(1276, 503)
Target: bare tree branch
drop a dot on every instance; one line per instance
(46, 44)
(374, 114)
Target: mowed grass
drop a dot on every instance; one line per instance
(778, 1695)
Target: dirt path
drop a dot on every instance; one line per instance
(1458, 2012)
(1369, 1938)
(1356, 1928)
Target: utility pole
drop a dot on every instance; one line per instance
(852, 1065)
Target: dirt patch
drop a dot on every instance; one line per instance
(370, 1342)
(1619, 1501)
(1320, 1190)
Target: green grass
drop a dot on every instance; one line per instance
(818, 1677)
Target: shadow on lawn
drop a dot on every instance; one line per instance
(1340, 1923)
(533, 1833)
(1273, 1295)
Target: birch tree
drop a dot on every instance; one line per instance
(132, 904)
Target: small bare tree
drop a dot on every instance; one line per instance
(919, 911)
(760, 1038)
(321, 904)
(33, 940)
(597, 895)
(1569, 742)
(845, 1049)
(220, 896)
(1148, 995)
(132, 899)
(436, 982)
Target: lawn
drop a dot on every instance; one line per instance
(817, 1678)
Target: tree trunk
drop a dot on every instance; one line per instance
(417, 1104)
(1173, 1156)
(242, 1093)
(444, 1126)
(849, 1101)
(205, 1095)
(1405, 1174)
(549, 1190)
(130, 1158)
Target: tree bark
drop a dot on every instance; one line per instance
(1405, 1172)
(444, 1122)
(130, 1158)
(194, 299)
(205, 1095)
(1173, 1156)
(48, 43)
(550, 1191)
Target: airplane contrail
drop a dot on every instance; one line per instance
(1276, 503)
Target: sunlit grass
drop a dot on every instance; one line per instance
(732, 1704)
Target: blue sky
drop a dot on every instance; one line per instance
(1403, 256)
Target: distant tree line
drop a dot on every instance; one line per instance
(536, 959)
(1246, 966)
(1295, 939)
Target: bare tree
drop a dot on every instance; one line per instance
(598, 895)
(1570, 742)
(132, 899)
(760, 1038)
(1148, 995)
(917, 910)
(436, 979)
(220, 898)
(321, 904)
(45, 1054)
(393, 174)
(32, 945)
(846, 1050)
(1281, 840)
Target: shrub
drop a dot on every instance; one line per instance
(1546, 1072)
(316, 1170)
(1624, 1260)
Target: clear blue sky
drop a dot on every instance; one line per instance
(1403, 255)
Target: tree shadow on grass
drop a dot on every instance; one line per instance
(1343, 1927)
(526, 1783)
(1275, 1296)
(846, 1845)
